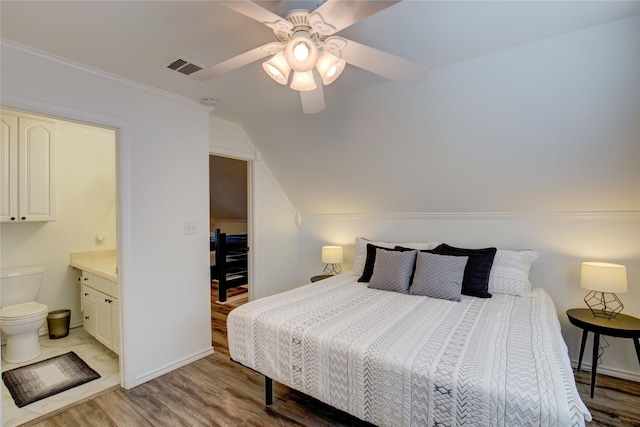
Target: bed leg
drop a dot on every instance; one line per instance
(268, 390)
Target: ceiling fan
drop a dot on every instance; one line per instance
(307, 46)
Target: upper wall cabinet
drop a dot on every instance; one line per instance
(27, 161)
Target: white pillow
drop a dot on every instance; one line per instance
(510, 272)
(360, 257)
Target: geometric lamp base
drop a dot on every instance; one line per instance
(603, 304)
(332, 269)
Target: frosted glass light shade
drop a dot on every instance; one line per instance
(277, 68)
(332, 254)
(330, 67)
(301, 52)
(603, 277)
(303, 81)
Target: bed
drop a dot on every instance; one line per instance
(394, 359)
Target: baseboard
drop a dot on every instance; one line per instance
(44, 330)
(617, 373)
(173, 366)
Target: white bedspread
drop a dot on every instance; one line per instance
(400, 360)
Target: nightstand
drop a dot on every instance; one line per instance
(621, 326)
(321, 277)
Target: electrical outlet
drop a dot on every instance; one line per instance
(190, 227)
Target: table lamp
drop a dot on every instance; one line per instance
(332, 256)
(603, 281)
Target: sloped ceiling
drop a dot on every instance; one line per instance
(551, 126)
(524, 101)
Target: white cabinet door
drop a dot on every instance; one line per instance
(89, 316)
(103, 319)
(101, 310)
(27, 169)
(88, 299)
(8, 168)
(35, 169)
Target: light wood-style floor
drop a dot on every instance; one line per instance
(217, 392)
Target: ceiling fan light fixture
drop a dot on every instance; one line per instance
(330, 67)
(303, 81)
(277, 68)
(301, 52)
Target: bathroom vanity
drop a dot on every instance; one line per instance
(99, 295)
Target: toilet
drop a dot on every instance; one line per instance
(20, 315)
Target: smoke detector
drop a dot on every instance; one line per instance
(210, 102)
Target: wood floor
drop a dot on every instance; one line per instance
(217, 392)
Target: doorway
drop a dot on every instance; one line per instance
(85, 188)
(228, 218)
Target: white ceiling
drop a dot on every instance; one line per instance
(137, 39)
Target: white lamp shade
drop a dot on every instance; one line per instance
(277, 68)
(303, 81)
(332, 254)
(301, 52)
(330, 67)
(603, 277)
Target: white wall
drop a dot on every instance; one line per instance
(273, 233)
(85, 194)
(548, 126)
(164, 274)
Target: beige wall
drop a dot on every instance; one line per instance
(228, 194)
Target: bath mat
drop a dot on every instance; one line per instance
(30, 383)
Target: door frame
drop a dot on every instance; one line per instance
(123, 131)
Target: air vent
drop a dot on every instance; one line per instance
(183, 66)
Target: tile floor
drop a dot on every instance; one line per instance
(97, 356)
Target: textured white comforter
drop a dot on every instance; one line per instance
(402, 360)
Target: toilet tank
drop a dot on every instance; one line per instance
(19, 285)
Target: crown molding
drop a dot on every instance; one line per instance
(98, 72)
(587, 215)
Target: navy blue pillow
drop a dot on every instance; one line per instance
(476, 274)
(367, 271)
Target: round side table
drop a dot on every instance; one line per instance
(621, 326)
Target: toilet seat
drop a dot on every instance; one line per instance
(23, 311)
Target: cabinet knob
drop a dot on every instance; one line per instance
(86, 294)
(85, 278)
(23, 218)
(86, 317)
(13, 218)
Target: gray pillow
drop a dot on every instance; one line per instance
(392, 270)
(438, 276)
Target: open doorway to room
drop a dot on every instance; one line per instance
(229, 231)
(74, 166)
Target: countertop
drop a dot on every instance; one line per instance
(102, 263)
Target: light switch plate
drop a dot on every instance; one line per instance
(190, 227)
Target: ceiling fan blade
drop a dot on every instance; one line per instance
(237, 61)
(259, 13)
(382, 63)
(313, 100)
(341, 14)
